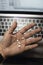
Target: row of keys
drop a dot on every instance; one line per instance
(5, 23)
(6, 19)
(4, 27)
(2, 24)
(22, 19)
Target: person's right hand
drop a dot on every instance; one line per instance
(13, 44)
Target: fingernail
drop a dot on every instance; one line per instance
(34, 23)
(36, 44)
(40, 37)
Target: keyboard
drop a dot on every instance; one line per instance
(6, 22)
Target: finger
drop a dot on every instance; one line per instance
(14, 25)
(28, 34)
(33, 40)
(30, 46)
(24, 29)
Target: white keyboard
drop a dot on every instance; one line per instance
(22, 20)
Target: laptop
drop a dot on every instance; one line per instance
(24, 12)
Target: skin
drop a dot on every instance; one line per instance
(9, 44)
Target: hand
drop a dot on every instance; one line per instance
(13, 44)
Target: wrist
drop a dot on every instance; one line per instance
(2, 53)
(1, 48)
(2, 56)
(5, 52)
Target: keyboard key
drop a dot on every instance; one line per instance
(42, 36)
(41, 21)
(36, 24)
(4, 30)
(2, 26)
(6, 26)
(0, 30)
(42, 25)
(39, 25)
(30, 20)
(2, 23)
(32, 28)
(8, 19)
(2, 34)
(0, 19)
(35, 35)
(41, 32)
(23, 20)
(11, 19)
(15, 31)
(39, 35)
(26, 20)
(9, 23)
(4, 19)
(9, 26)
(34, 21)
(5, 23)
(37, 21)
(36, 27)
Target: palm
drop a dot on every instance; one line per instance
(11, 39)
(14, 45)
(10, 43)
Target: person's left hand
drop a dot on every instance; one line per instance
(13, 44)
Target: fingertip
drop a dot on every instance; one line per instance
(12, 28)
(15, 22)
(36, 44)
(33, 23)
(40, 38)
